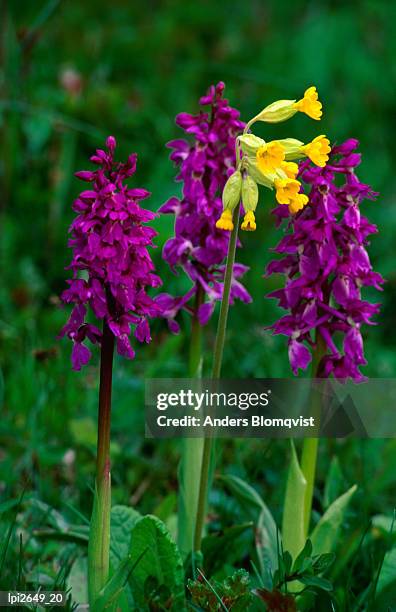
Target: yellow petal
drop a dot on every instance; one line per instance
(249, 222)
(298, 203)
(290, 169)
(225, 221)
(270, 156)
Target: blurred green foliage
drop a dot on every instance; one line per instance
(72, 73)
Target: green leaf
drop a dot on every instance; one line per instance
(122, 520)
(293, 536)
(384, 525)
(316, 581)
(156, 556)
(324, 536)
(334, 482)
(287, 562)
(386, 585)
(113, 596)
(8, 505)
(266, 529)
(246, 496)
(216, 548)
(166, 508)
(77, 580)
(51, 516)
(306, 552)
(189, 474)
(322, 562)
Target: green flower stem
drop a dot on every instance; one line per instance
(99, 532)
(216, 370)
(192, 448)
(310, 445)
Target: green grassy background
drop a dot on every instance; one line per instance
(140, 64)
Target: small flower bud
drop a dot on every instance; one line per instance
(249, 194)
(111, 143)
(232, 191)
(85, 175)
(278, 111)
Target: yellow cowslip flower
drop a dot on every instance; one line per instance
(310, 104)
(290, 169)
(288, 192)
(318, 150)
(225, 221)
(269, 157)
(249, 222)
(298, 203)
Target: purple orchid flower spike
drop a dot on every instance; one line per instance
(197, 246)
(111, 265)
(325, 264)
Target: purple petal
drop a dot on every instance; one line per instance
(299, 356)
(205, 311)
(142, 331)
(80, 356)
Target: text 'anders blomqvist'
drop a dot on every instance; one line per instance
(227, 421)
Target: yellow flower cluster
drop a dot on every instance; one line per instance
(271, 163)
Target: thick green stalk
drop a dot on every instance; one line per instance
(310, 445)
(216, 370)
(192, 448)
(99, 532)
(308, 468)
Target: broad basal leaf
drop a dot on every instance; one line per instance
(324, 536)
(158, 566)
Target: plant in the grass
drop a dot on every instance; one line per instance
(199, 249)
(112, 270)
(233, 593)
(269, 164)
(306, 570)
(325, 264)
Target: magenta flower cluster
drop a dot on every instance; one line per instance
(111, 265)
(205, 164)
(325, 264)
